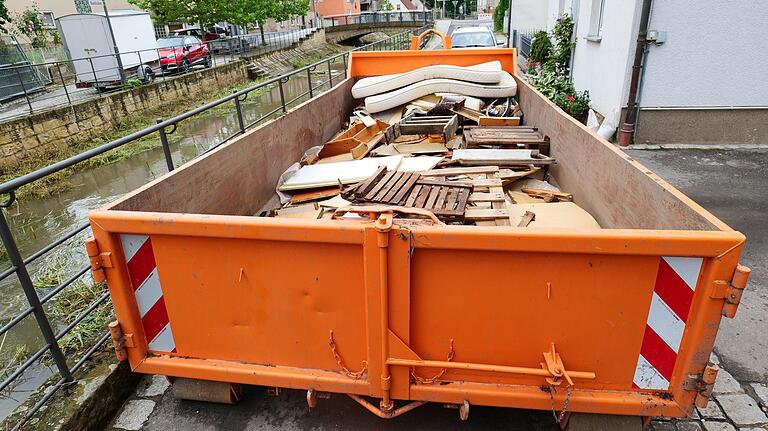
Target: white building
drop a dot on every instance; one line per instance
(705, 74)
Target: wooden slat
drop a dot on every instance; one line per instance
(389, 197)
(363, 188)
(389, 184)
(430, 203)
(463, 183)
(379, 185)
(450, 201)
(412, 196)
(460, 171)
(440, 202)
(422, 198)
(488, 182)
(401, 195)
(486, 197)
(497, 204)
(486, 214)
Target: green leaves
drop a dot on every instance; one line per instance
(4, 17)
(238, 12)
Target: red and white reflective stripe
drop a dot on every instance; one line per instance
(671, 302)
(142, 271)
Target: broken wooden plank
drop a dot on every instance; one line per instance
(485, 120)
(460, 171)
(528, 217)
(485, 213)
(486, 197)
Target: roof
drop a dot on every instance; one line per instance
(408, 4)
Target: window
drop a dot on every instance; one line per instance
(596, 21)
(47, 18)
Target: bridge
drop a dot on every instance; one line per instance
(339, 28)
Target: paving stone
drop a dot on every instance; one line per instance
(688, 426)
(714, 359)
(695, 414)
(751, 429)
(742, 409)
(153, 386)
(134, 414)
(761, 390)
(718, 426)
(711, 411)
(657, 425)
(726, 384)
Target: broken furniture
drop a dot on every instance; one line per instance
(356, 141)
(506, 136)
(443, 128)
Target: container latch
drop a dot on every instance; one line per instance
(98, 260)
(702, 384)
(731, 290)
(120, 340)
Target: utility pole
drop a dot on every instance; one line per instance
(120, 69)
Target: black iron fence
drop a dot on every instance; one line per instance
(392, 17)
(65, 365)
(61, 83)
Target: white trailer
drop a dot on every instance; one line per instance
(91, 50)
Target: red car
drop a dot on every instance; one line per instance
(179, 53)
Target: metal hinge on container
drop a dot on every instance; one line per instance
(120, 340)
(731, 290)
(98, 260)
(702, 384)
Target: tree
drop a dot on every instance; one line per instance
(385, 6)
(204, 12)
(498, 15)
(4, 17)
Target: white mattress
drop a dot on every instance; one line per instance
(484, 73)
(506, 87)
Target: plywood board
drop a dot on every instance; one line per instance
(418, 164)
(556, 214)
(329, 174)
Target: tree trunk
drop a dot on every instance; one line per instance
(261, 30)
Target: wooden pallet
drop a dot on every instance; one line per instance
(445, 199)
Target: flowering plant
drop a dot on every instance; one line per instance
(30, 24)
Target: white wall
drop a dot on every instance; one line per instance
(715, 54)
(529, 14)
(603, 67)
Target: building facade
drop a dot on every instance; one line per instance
(337, 7)
(703, 79)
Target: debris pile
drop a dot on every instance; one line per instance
(455, 157)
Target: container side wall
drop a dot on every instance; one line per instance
(618, 191)
(239, 177)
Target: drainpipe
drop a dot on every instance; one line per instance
(627, 132)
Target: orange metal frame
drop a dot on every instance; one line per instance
(252, 300)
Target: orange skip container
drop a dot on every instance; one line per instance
(620, 320)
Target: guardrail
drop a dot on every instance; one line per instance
(74, 80)
(391, 17)
(20, 264)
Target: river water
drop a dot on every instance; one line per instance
(38, 222)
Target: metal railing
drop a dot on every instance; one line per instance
(382, 18)
(73, 80)
(19, 264)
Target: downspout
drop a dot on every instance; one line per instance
(627, 132)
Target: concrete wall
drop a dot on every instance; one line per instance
(603, 66)
(47, 131)
(714, 54)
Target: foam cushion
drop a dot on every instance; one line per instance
(507, 87)
(484, 73)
